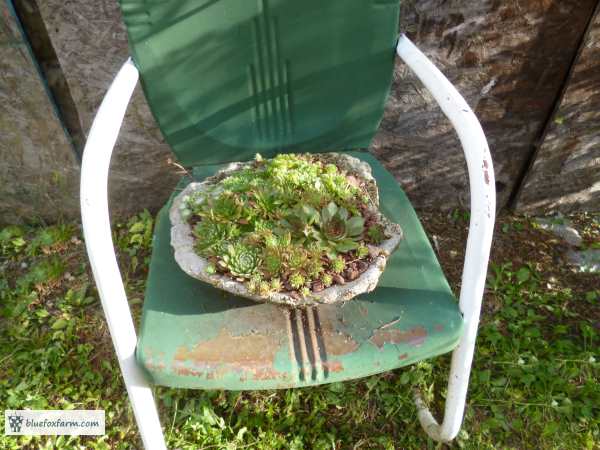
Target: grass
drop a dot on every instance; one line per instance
(535, 380)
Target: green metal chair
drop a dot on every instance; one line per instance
(229, 78)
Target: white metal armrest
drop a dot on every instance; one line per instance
(481, 228)
(100, 249)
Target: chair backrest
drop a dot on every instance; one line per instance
(229, 78)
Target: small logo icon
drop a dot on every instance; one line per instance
(15, 423)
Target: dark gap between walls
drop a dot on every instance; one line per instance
(45, 58)
(537, 144)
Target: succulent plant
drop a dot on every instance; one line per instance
(362, 251)
(338, 229)
(212, 236)
(297, 280)
(327, 280)
(314, 268)
(292, 218)
(240, 261)
(276, 285)
(271, 241)
(297, 258)
(338, 265)
(192, 202)
(264, 288)
(331, 169)
(226, 207)
(300, 221)
(254, 282)
(273, 263)
(376, 234)
(266, 201)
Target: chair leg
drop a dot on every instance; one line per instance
(460, 369)
(481, 229)
(100, 248)
(144, 407)
(458, 384)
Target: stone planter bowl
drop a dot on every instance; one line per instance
(182, 241)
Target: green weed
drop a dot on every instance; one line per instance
(534, 384)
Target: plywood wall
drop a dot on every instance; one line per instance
(511, 59)
(39, 174)
(565, 174)
(90, 43)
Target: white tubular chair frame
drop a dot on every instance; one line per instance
(100, 248)
(481, 229)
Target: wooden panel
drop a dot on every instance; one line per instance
(565, 175)
(509, 59)
(91, 45)
(39, 176)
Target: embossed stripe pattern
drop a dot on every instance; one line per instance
(307, 352)
(269, 82)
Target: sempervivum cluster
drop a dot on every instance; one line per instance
(294, 223)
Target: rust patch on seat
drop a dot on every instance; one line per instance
(150, 366)
(415, 336)
(439, 327)
(185, 371)
(152, 362)
(226, 353)
(226, 348)
(403, 356)
(337, 343)
(333, 366)
(334, 339)
(268, 374)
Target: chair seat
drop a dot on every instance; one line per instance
(195, 336)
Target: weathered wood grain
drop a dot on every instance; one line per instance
(91, 45)
(508, 58)
(565, 175)
(39, 175)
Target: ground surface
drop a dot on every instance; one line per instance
(535, 382)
